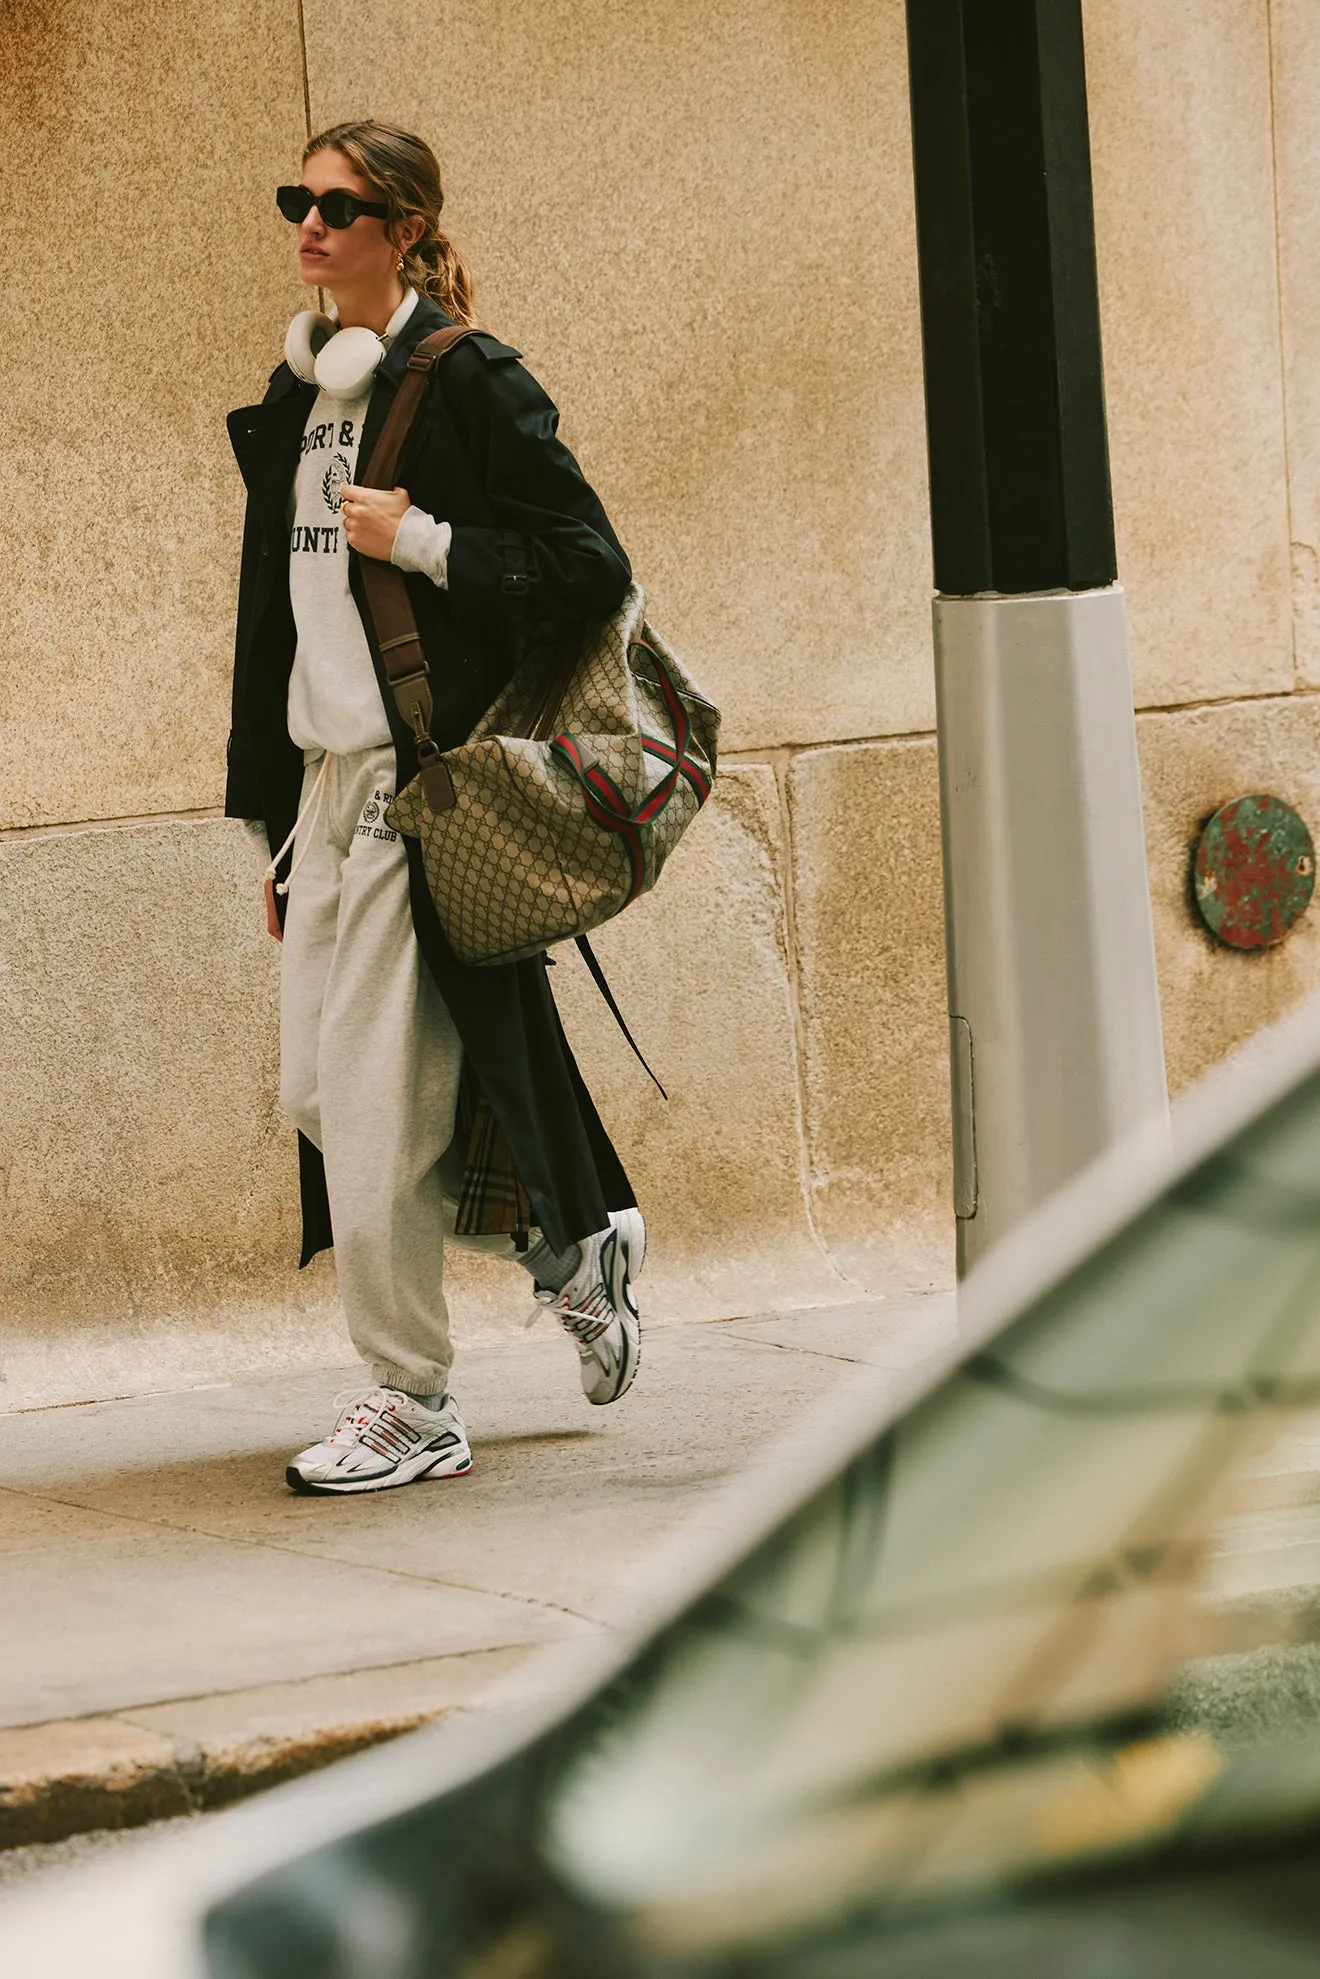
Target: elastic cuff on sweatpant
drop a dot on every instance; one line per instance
(408, 1380)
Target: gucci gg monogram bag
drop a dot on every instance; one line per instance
(574, 788)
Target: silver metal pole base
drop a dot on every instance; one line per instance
(1055, 1041)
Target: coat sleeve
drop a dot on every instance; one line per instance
(243, 797)
(550, 522)
(242, 792)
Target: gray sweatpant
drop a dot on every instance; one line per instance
(369, 1069)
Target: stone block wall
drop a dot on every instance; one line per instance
(696, 224)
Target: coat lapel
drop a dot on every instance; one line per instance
(265, 440)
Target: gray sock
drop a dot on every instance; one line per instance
(547, 1267)
(433, 1401)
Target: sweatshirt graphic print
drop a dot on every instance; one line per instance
(334, 701)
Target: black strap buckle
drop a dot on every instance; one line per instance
(519, 573)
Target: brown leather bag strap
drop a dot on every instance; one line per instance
(387, 594)
(384, 462)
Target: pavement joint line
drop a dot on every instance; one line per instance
(818, 1353)
(750, 1340)
(298, 1553)
(319, 1558)
(237, 1691)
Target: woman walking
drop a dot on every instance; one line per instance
(431, 1099)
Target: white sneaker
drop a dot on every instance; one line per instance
(598, 1309)
(384, 1437)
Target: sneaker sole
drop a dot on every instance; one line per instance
(632, 1360)
(630, 1327)
(628, 1258)
(622, 1255)
(403, 1475)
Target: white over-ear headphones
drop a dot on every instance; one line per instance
(342, 362)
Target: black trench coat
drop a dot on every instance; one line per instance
(532, 549)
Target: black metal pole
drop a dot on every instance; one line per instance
(1019, 465)
(1055, 1041)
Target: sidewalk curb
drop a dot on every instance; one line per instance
(70, 1776)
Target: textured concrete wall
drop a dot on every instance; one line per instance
(1296, 28)
(696, 223)
(145, 287)
(1184, 195)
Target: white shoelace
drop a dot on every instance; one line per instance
(585, 1318)
(356, 1409)
(370, 1418)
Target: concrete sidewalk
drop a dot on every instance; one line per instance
(179, 1629)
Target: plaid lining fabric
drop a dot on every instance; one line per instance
(493, 1200)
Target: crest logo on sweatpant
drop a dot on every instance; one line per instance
(371, 818)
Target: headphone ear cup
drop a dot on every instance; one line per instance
(349, 362)
(304, 338)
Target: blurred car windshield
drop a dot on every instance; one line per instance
(1049, 1616)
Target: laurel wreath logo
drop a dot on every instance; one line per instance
(336, 479)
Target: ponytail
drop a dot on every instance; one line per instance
(435, 266)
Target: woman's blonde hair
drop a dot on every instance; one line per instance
(405, 170)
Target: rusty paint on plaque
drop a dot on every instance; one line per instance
(1255, 870)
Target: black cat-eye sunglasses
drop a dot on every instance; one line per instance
(336, 207)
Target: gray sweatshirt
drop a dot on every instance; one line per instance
(334, 701)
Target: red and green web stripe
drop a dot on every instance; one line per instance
(606, 803)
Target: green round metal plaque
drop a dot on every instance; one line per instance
(1255, 871)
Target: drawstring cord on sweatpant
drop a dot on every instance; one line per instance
(313, 804)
